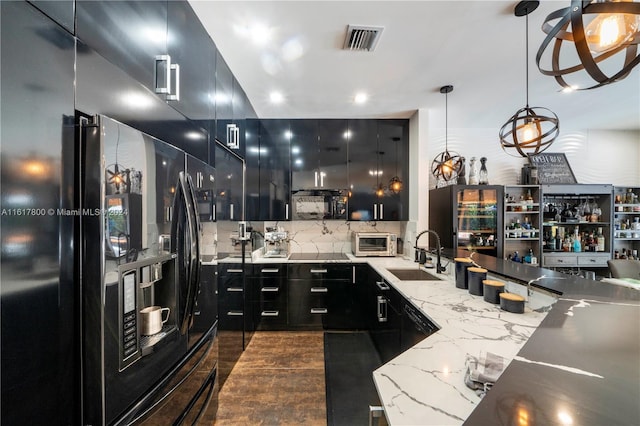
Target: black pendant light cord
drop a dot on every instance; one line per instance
(526, 59)
(446, 122)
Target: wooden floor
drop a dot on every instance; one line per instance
(278, 380)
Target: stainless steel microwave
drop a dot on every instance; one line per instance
(373, 244)
(319, 204)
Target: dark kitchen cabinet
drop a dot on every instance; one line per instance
(252, 176)
(333, 138)
(37, 164)
(304, 153)
(378, 154)
(231, 316)
(319, 154)
(190, 46)
(274, 183)
(321, 296)
(103, 88)
(346, 307)
(229, 185)
(307, 297)
(384, 317)
(130, 34)
(226, 133)
(269, 296)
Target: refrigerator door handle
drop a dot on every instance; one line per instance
(193, 255)
(186, 250)
(194, 275)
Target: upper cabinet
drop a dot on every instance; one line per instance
(304, 153)
(192, 51)
(333, 137)
(129, 34)
(356, 157)
(319, 154)
(275, 170)
(378, 160)
(225, 131)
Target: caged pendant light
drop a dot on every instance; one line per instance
(531, 130)
(604, 33)
(447, 165)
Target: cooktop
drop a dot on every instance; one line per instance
(318, 256)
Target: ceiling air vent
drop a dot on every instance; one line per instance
(362, 38)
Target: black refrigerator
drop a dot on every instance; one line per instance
(131, 371)
(468, 217)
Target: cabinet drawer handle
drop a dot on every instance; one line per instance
(318, 271)
(234, 271)
(382, 309)
(235, 289)
(270, 271)
(319, 310)
(235, 313)
(270, 289)
(592, 260)
(560, 261)
(382, 285)
(319, 290)
(270, 313)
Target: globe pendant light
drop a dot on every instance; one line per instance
(531, 130)
(612, 32)
(447, 165)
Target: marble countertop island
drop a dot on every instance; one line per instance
(575, 363)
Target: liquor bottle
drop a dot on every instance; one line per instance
(473, 172)
(484, 174)
(600, 240)
(558, 239)
(529, 200)
(576, 241)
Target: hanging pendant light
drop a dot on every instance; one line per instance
(395, 183)
(447, 165)
(531, 130)
(600, 30)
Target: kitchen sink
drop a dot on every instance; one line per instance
(413, 275)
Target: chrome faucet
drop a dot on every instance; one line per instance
(439, 267)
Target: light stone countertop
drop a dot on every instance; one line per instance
(425, 384)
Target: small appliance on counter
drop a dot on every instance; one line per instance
(276, 244)
(382, 244)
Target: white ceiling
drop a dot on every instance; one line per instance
(477, 46)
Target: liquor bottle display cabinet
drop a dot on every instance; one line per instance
(522, 223)
(577, 226)
(626, 220)
(468, 216)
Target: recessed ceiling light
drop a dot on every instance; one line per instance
(360, 98)
(288, 135)
(276, 97)
(295, 150)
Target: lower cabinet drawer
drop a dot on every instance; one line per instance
(562, 260)
(594, 260)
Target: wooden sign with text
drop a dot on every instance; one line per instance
(552, 168)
